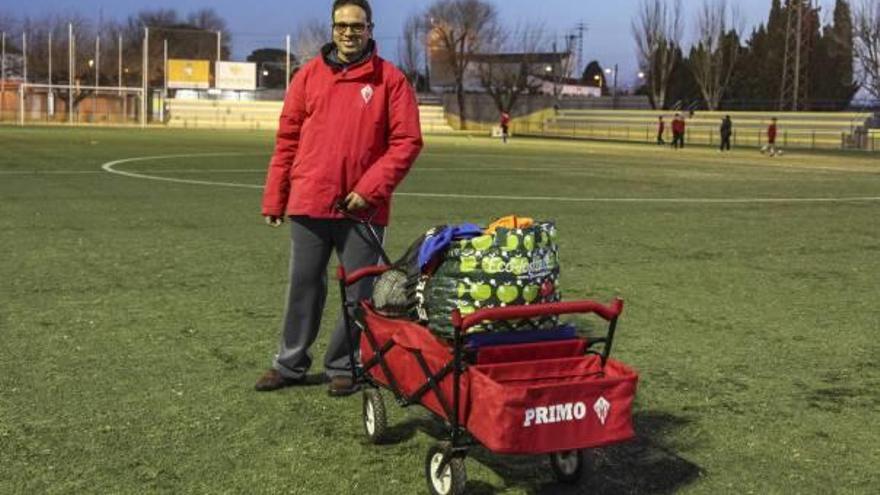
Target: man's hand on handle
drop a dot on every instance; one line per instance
(354, 202)
(274, 221)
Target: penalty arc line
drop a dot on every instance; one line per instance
(109, 167)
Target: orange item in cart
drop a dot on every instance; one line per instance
(510, 222)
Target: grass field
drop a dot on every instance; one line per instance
(135, 316)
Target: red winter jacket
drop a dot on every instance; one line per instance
(342, 130)
(678, 126)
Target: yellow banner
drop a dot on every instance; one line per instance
(189, 73)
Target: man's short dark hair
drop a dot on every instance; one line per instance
(364, 4)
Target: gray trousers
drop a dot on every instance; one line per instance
(311, 243)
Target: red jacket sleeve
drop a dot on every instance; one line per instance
(293, 114)
(404, 145)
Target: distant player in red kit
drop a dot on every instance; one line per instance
(772, 131)
(505, 126)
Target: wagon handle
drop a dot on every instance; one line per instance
(372, 237)
(357, 275)
(608, 313)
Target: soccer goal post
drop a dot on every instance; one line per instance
(80, 105)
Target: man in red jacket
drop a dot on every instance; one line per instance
(349, 132)
(678, 128)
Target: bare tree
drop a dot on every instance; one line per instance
(717, 47)
(867, 44)
(310, 36)
(461, 28)
(8, 23)
(411, 47)
(39, 31)
(207, 19)
(657, 31)
(512, 69)
(564, 67)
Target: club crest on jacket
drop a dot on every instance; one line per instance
(367, 93)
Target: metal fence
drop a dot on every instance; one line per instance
(748, 137)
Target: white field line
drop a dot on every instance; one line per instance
(263, 170)
(109, 167)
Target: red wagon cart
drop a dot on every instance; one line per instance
(557, 396)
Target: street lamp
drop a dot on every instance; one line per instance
(262, 74)
(614, 91)
(598, 79)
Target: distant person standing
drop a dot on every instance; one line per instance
(661, 128)
(772, 131)
(725, 131)
(505, 126)
(678, 130)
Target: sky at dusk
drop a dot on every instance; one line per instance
(259, 23)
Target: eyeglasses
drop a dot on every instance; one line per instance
(356, 27)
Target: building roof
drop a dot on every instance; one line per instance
(516, 58)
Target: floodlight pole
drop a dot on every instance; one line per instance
(21, 104)
(164, 78)
(24, 55)
(71, 65)
(97, 61)
(2, 72)
(97, 77)
(165, 65)
(287, 66)
(119, 79)
(146, 66)
(50, 60)
(24, 80)
(119, 64)
(614, 97)
(428, 58)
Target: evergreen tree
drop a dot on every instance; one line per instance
(756, 79)
(683, 92)
(594, 76)
(772, 61)
(746, 84)
(833, 68)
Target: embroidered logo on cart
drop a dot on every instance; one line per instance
(367, 93)
(602, 408)
(556, 413)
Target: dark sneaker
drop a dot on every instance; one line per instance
(273, 380)
(342, 385)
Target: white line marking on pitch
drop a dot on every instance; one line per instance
(109, 167)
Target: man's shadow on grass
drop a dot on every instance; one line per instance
(643, 465)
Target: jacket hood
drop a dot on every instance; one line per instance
(327, 54)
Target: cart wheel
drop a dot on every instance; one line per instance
(375, 419)
(454, 476)
(569, 466)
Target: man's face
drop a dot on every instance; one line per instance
(351, 31)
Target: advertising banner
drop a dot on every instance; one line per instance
(189, 74)
(236, 75)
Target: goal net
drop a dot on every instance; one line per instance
(63, 104)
